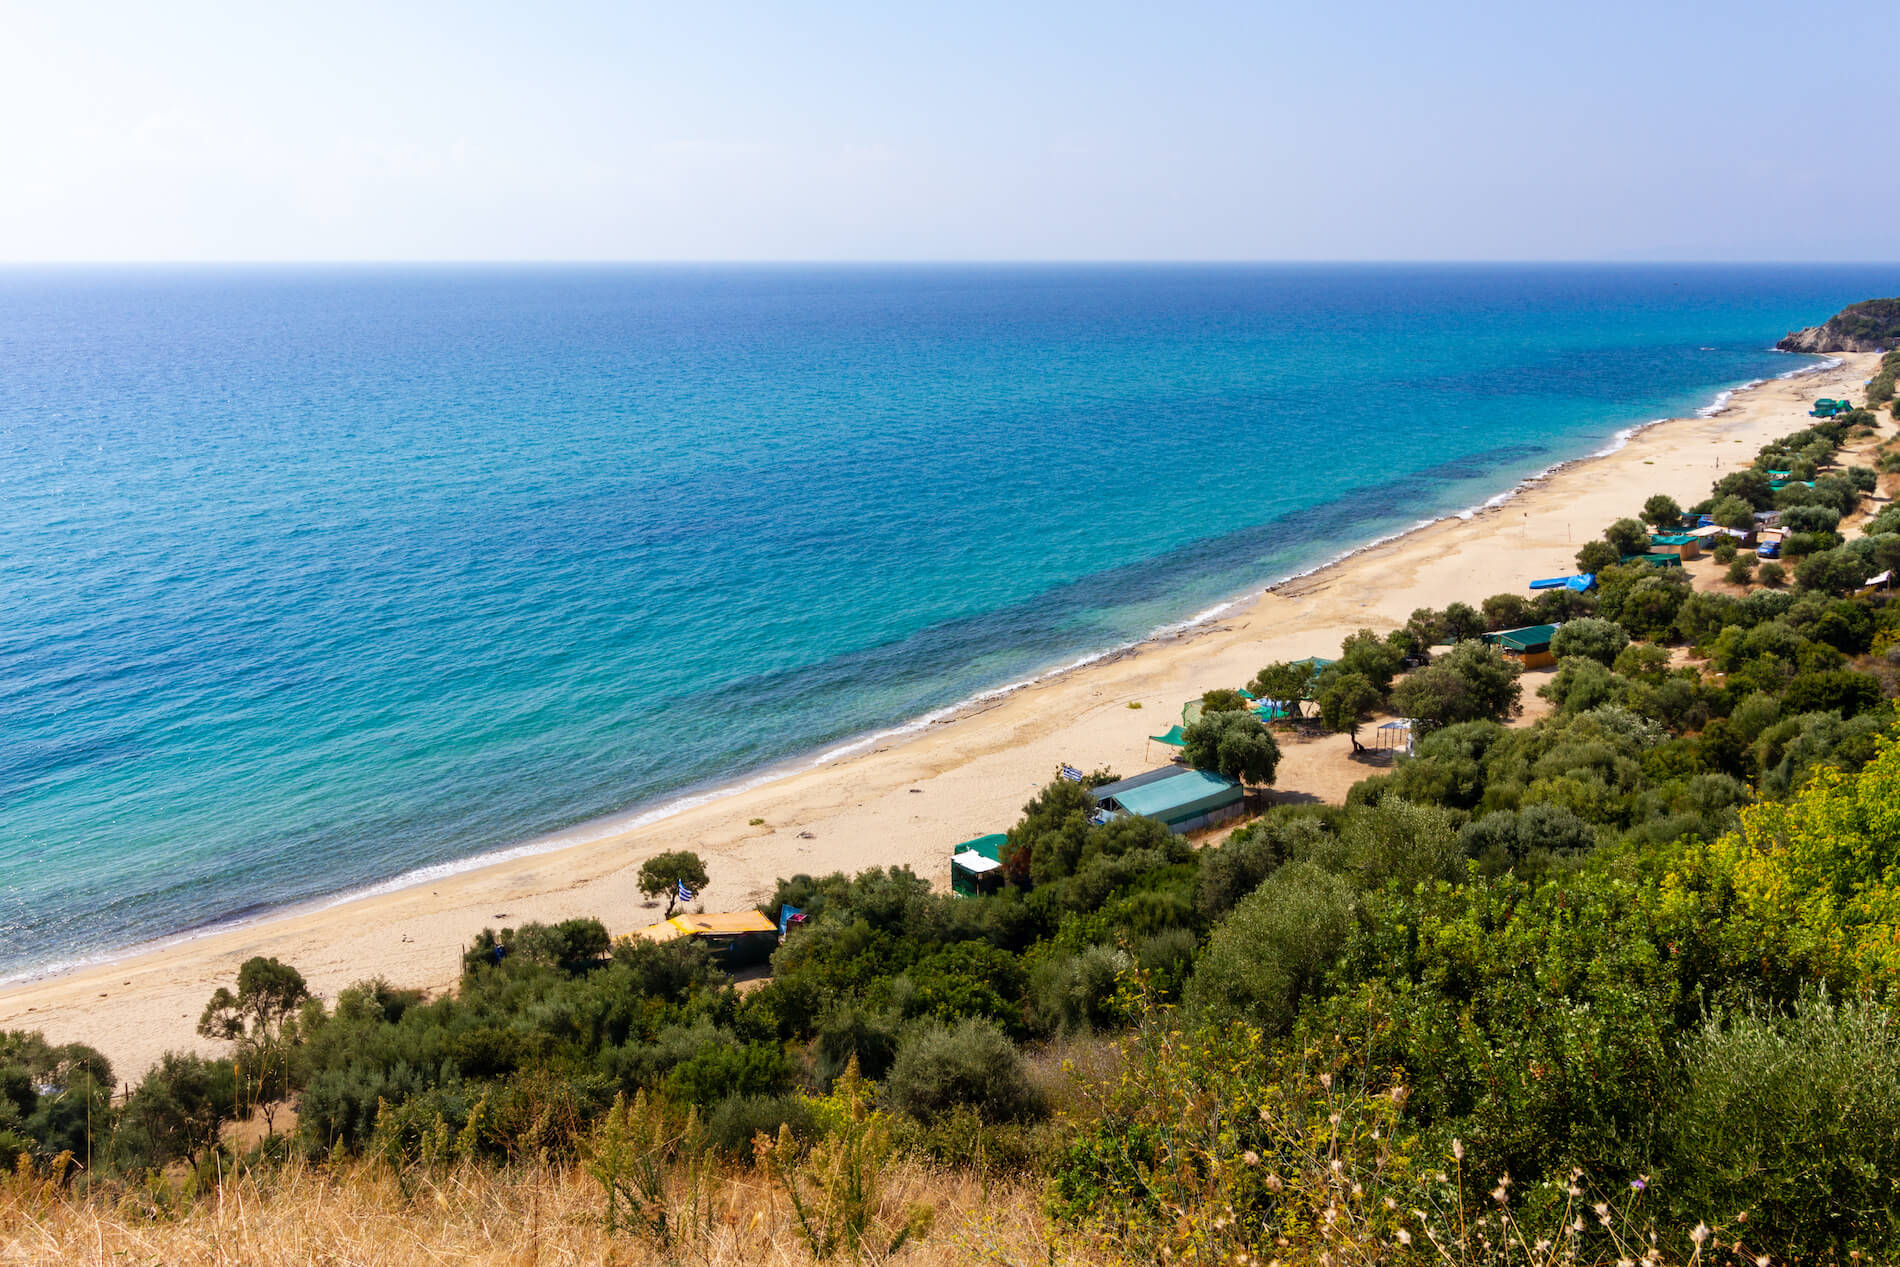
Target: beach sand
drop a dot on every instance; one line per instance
(905, 804)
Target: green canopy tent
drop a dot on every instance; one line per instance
(1176, 738)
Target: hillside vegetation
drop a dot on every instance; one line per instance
(1612, 986)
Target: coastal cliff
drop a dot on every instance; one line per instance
(1873, 325)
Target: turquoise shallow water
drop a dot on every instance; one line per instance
(309, 579)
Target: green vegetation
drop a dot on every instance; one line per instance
(1638, 956)
(663, 875)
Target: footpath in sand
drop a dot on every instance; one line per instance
(906, 804)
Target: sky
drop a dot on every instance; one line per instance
(1014, 131)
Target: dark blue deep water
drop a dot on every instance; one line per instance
(309, 579)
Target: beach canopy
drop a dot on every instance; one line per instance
(1175, 738)
(727, 924)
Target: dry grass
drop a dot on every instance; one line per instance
(361, 1214)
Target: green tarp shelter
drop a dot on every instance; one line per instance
(1526, 641)
(976, 866)
(1182, 799)
(1174, 738)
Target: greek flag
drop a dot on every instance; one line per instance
(686, 894)
(1072, 774)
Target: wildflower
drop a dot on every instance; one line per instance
(1761, 1260)
(1274, 1183)
(1458, 1149)
(1250, 1157)
(1638, 1184)
(1701, 1233)
(1405, 1237)
(1326, 1080)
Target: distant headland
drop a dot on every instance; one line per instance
(1873, 325)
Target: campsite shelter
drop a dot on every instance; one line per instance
(1185, 800)
(736, 938)
(1394, 736)
(976, 866)
(1710, 534)
(1529, 646)
(1684, 545)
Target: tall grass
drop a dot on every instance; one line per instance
(371, 1215)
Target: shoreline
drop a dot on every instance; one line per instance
(990, 751)
(635, 817)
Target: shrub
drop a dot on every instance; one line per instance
(1511, 839)
(1462, 622)
(1275, 948)
(176, 1112)
(1506, 611)
(973, 1065)
(1234, 868)
(1662, 511)
(1772, 574)
(1283, 680)
(1472, 682)
(1077, 992)
(1597, 555)
(1725, 550)
(1741, 570)
(1600, 640)
(1397, 841)
(720, 1070)
(1733, 512)
(1222, 700)
(736, 1120)
(1238, 745)
(1831, 572)
(1795, 1119)
(1627, 537)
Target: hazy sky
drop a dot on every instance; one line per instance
(880, 131)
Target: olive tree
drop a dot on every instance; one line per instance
(665, 874)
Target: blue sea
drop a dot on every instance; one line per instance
(312, 579)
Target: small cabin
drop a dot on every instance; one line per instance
(736, 938)
(1183, 800)
(1529, 646)
(976, 866)
(1710, 535)
(1684, 545)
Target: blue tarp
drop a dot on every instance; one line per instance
(1586, 581)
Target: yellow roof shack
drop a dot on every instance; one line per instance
(726, 924)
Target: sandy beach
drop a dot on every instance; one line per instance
(905, 804)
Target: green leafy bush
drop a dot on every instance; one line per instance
(974, 1066)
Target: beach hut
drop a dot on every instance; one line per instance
(976, 866)
(1710, 534)
(1683, 545)
(1184, 800)
(1529, 646)
(736, 938)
